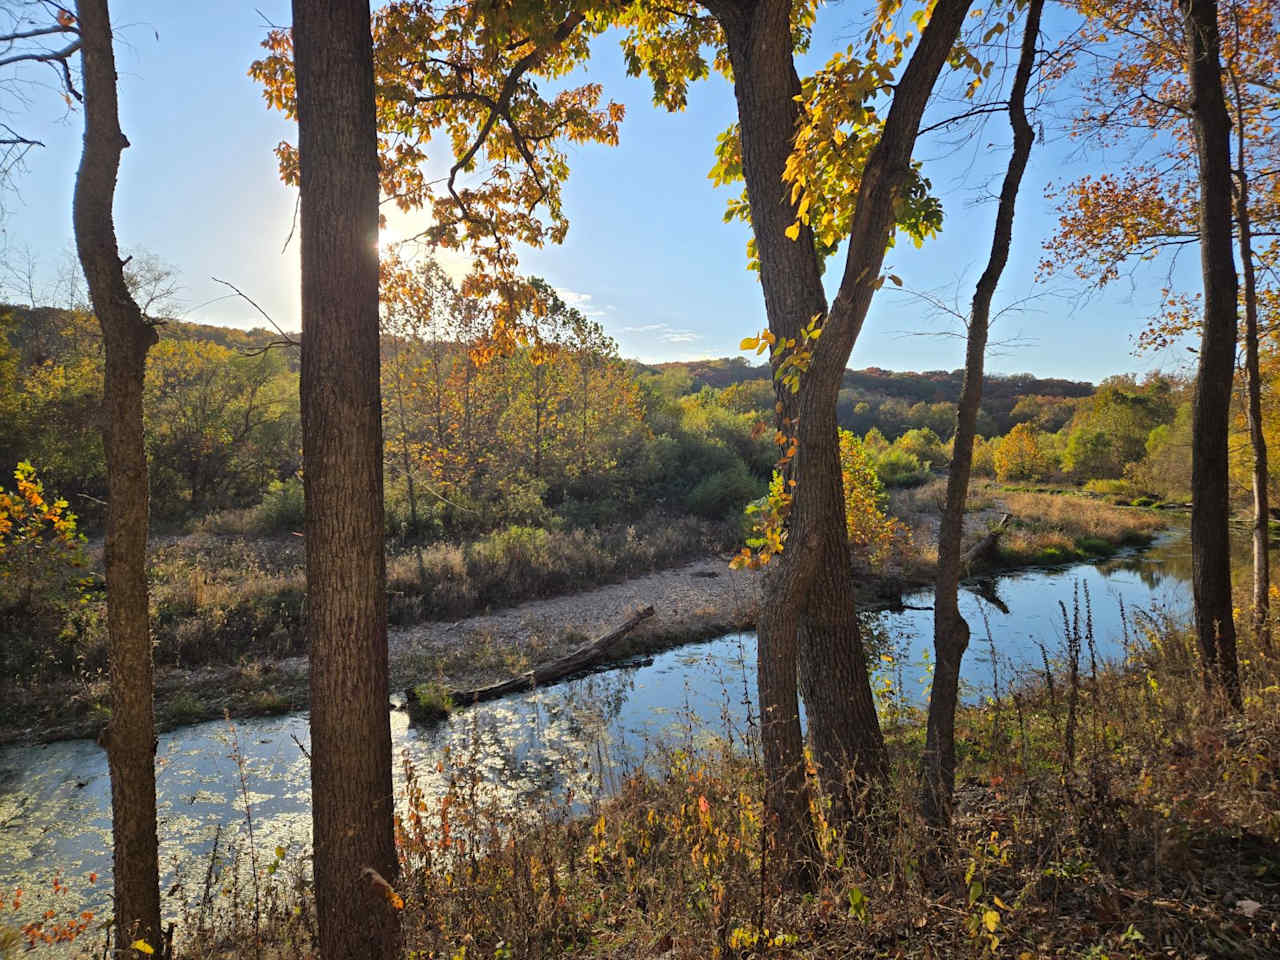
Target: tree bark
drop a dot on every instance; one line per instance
(1210, 544)
(1253, 400)
(1257, 441)
(809, 621)
(765, 86)
(130, 734)
(352, 802)
(950, 629)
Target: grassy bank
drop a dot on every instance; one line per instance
(1049, 528)
(1046, 527)
(227, 611)
(1102, 812)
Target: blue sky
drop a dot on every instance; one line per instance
(647, 253)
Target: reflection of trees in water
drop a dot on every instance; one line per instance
(528, 747)
(1169, 559)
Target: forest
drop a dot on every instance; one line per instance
(462, 615)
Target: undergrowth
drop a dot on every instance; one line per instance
(1102, 811)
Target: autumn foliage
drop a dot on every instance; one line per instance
(41, 566)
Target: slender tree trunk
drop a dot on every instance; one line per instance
(352, 804)
(950, 630)
(1210, 544)
(1253, 386)
(406, 456)
(1261, 511)
(126, 336)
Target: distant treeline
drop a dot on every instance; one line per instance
(557, 430)
(894, 401)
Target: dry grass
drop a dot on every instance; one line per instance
(1057, 528)
(1102, 812)
(1079, 516)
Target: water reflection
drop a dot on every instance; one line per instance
(577, 738)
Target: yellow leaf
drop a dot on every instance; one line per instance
(142, 947)
(793, 231)
(991, 920)
(749, 343)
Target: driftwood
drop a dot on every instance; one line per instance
(584, 658)
(986, 546)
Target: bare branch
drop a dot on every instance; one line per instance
(285, 340)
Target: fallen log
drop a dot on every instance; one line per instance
(426, 704)
(984, 547)
(986, 589)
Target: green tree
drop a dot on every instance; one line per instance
(221, 425)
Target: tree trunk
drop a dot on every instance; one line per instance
(1261, 511)
(126, 336)
(950, 630)
(352, 803)
(765, 85)
(1210, 544)
(1253, 382)
(808, 618)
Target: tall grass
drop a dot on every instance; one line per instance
(1127, 815)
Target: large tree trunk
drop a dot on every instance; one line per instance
(1210, 544)
(126, 336)
(346, 627)
(808, 621)
(950, 630)
(817, 550)
(766, 85)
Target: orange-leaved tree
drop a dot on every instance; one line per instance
(1142, 95)
(41, 568)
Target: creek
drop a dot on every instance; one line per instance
(562, 744)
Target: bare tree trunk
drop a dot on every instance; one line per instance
(1253, 382)
(950, 631)
(352, 803)
(1210, 544)
(130, 735)
(765, 85)
(1261, 512)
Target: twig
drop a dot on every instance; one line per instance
(238, 757)
(287, 340)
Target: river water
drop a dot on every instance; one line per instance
(565, 743)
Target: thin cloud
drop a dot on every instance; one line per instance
(582, 303)
(664, 332)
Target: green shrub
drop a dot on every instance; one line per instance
(897, 468)
(1109, 487)
(282, 509)
(723, 494)
(1095, 546)
(428, 702)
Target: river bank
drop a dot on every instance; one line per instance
(692, 601)
(634, 793)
